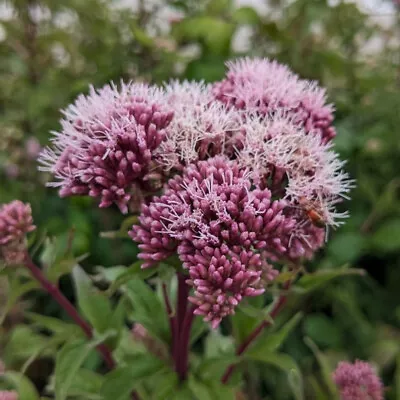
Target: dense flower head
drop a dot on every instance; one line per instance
(15, 222)
(106, 146)
(306, 171)
(201, 127)
(357, 381)
(224, 229)
(8, 395)
(265, 87)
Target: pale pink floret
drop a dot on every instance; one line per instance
(201, 127)
(304, 168)
(265, 87)
(357, 381)
(225, 228)
(106, 145)
(8, 395)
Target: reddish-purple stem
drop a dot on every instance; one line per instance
(171, 317)
(257, 330)
(55, 292)
(184, 341)
(181, 326)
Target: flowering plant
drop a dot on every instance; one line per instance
(230, 188)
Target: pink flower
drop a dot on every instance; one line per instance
(265, 87)
(15, 222)
(224, 228)
(106, 145)
(357, 381)
(201, 127)
(8, 395)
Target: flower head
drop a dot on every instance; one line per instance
(15, 222)
(357, 381)
(105, 148)
(224, 229)
(8, 395)
(265, 87)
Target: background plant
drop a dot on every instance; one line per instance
(51, 52)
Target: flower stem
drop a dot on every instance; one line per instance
(56, 294)
(171, 317)
(184, 342)
(280, 303)
(181, 327)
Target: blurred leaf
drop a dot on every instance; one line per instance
(285, 363)
(147, 309)
(17, 288)
(326, 371)
(270, 342)
(347, 247)
(135, 271)
(246, 15)
(54, 325)
(69, 361)
(387, 237)
(120, 382)
(213, 368)
(322, 330)
(95, 306)
(315, 280)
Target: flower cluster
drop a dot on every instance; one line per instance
(357, 381)
(106, 145)
(264, 87)
(8, 395)
(234, 177)
(15, 222)
(223, 228)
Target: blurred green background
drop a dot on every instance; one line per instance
(51, 50)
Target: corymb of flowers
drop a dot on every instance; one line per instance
(235, 178)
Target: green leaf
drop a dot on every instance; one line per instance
(387, 237)
(95, 306)
(68, 362)
(119, 383)
(54, 325)
(322, 330)
(147, 309)
(199, 390)
(310, 282)
(167, 385)
(15, 291)
(326, 370)
(246, 15)
(26, 390)
(22, 344)
(135, 271)
(214, 368)
(286, 364)
(270, 342)
(86, 384)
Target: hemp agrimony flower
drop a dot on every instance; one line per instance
(357, 381)
(106, 146)
(15, 222)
